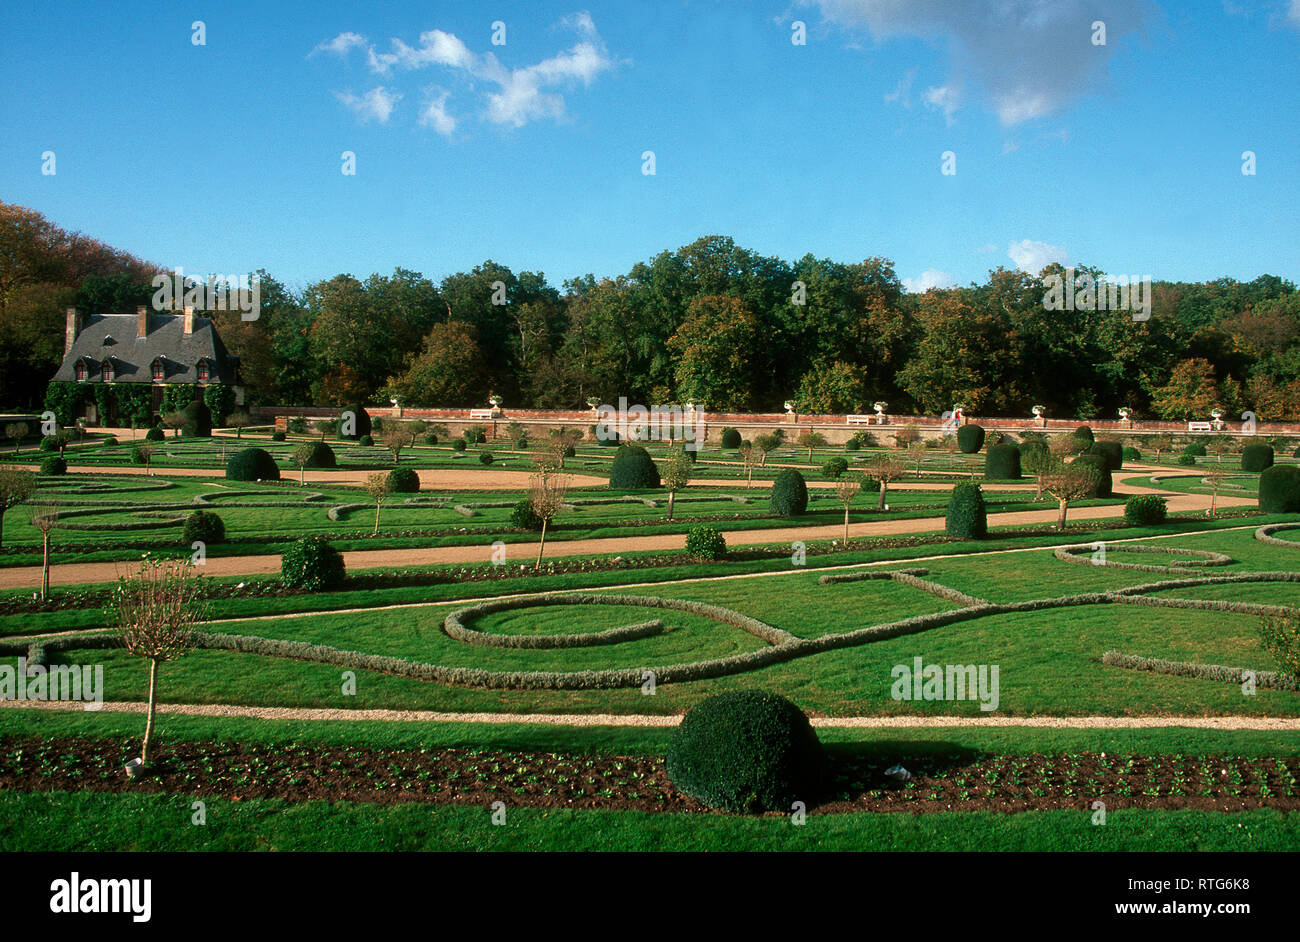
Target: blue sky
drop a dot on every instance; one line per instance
(226, 157)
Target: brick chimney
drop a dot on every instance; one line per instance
(74, 324)
(142, 321)
(189, 319)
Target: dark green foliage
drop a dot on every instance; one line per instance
(1084, 434)
(570, 451)
(970, 438)
(1034, 452)
(298, 425)
(1002, 462)
(1111, 452)
(485, 457)
(48, 443)
(1279, 489)
(633, 469)
(835, 468)
(458, 445)
(54, 465)
(311, 563)
(322, 456)
(1195, 449)
(1187, 461)
(1281, 637)
(1103, 488)
(1131, 454)
(109, 440)
(869, 485)
(730, 438)
(361, 424)
(704, 542)
(198, 420)
(1256, 458)
(747, 752)
(1145, 509)
(524, 517)
(967, 517)
(789, 494)
(136, 456)
(204, 526)
(277, 436)
(475, 435)
(403, 481)
(155, 434)
(365, 441)
(853, 444)
(431, 439)
(252, 464)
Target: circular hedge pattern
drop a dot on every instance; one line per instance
(747, 752)
(252, 464)
(789, 494)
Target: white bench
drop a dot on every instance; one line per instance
(480, 413)
(1199, 427)
(860, 419)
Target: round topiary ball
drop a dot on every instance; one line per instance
(633, 469)
(524, 517)
(1195, 449)
(54, 465)
(1111, 452)
(1187, 461)
(354, 422)
(365, 441)
(154, 434)
(1145, 509)
(1002, 462)
(1279, 489)
(48, 444)
(834, 469)
(109, 440)
(485, 457)
(431, 439)
(970, 438)
(967, 517)
(789, 494)
(853, 444)
(1131, 454)
(730, 438)
(403, 481)
(458, 444)
(1256, 458)
(204, 526)
(705, 543)
(252, 464)
(747, 752)
(322, 456)
(277, 436)
(311, 563)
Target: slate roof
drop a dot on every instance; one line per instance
(113, 336)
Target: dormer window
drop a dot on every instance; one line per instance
(203, 371)
(81, 372)
(107, 372)
(158, 371)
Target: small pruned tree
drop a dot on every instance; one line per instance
(811, 440)
(916, 452)
(766, 444)
(44, 517)
(1214, 476)
(846, 488)
(1281, 637)
(325, 427)
(155, 610)
(380, 489)
(749, 458)
(885, 468)
(1160, 443)
(16, 432)
(174, 421)
(675, 473)
(145, 454)
(240, 420)
(907, 435)
(949, 444)
(546, 497)
(1219, 445)
(302, 455)
(16, 486)
(1069, 482)
(395, 439)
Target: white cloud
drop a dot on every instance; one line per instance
(1032, 257)
(512, 96)
(375, 105)
(930, 278)
(943, 98)
(1031, 58)
(903, 93)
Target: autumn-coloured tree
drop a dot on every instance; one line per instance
(546, 497)
(675, 473)
(1069, 482)
(715, 347)
(379, 489)
(1191, 391)
(155, 610)
(886, 469)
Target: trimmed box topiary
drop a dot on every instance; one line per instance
(1187, 461)
(970, 438)
(1145, 509)
(1131, 454)
(54, 465)
(431, 438)
(1256, 458)
(365, 441)
(403, 481)
(524, 517)
(359, 425)
(155, 434)
(198, 420)
(747, 752)
(730, 438)
(1279, 489)
(1084, 434)
(633, 469)
(48, 443)
(252, 464)
(458, 444)
(705, 543)
(1112, 452)
(277, 436)
(485, 457)
(312, 564)
(789, 494)
(1103, 488)
(322, 456)
(204, 526)
(109, 440)
(1195, 449)
(967, 517)
(834, 469)
(1002, 462)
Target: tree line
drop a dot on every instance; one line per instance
(711, 322)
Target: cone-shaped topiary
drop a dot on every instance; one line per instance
(252, 464)
(198, 420)
(970, 438)
(205, 526)
(632, 469)
(1112, 452)
(354, 422)
(1256, 458)
(789, 494)
(967, 516)
(1002, 462)
(311, 563)
(730, 438)
(403, 481)
(1103, 488)
(747, 752)
(1279, 489)
(322, 456)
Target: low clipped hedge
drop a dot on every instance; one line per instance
(789, 494)
(967, 516)
(970, 438)
(403, 481)
(1145, 509)
(1256, 458)
(633, 469)
(54, 465)
(1279, 489)
(730, 438)
(705, 543)
(524, 517)
(204, 526)
(252, 464)
(312, 564)
(1002, 462)
(278, 436)
(1111, 452)
(747, 752)
(1217, 672)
